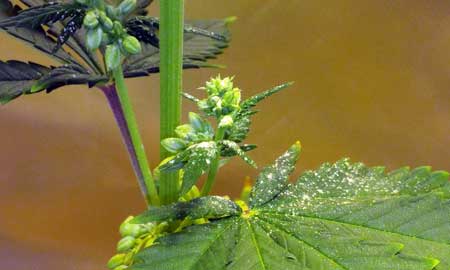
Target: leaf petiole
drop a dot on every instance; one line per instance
(146, 182)
(215, 165)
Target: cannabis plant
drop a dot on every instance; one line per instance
(344, 215)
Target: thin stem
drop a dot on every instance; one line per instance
(123, 111)
(171, 61)
(214, 167)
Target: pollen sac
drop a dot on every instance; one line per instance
(131, 45)
(94, 38)
(126, 7)
(116, 261)
(174, 145)
(105, 21)
(90, 20)
(126, 244)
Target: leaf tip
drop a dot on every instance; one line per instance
(230, 20)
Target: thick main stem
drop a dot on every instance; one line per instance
(171, 61)
(119, 101)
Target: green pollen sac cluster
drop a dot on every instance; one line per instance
(104, 28)
(223, 98)
(198, 130)
(222, 102)
(135, 237)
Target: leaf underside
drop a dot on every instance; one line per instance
(341, 216)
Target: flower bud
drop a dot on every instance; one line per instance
(126, 7)
(118, 28)
(121, 267)
(111, 11)
(232, 98)
(116, 261)
(196, 121)
(184, 131)
(83, 2)
(113, 57)
(226, 122)
(94, 38)
(90, 20)
(131, 45)
(106, 22)
(126, 244)
(128, 229)
(173, 145)
(106, 40)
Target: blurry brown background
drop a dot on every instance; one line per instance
(372, 83)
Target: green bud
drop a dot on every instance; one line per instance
(226, 122)
(116, 261)
(218, 85)
(232, 98)
(106, 39)
(94, 38)
(121, 267)
(126, 7)
(118, 28)
(131, 45)
(197, 122)
(128, 229)
(127, 220)
(126, 244)
(111, 11)
(173, 145)
(184, 131)
(90, 20)
(113, 56)
(106, 22)
(83, 2)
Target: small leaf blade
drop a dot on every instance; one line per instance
(210, 207)
(273, 179)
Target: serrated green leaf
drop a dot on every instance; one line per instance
(200, 158)
(273, 179)
(252, 101)
(342, 216)
(227, 152)
(242, 120)
(211, 207)
(232, 146)
(36, 16)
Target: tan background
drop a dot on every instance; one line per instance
(372, 83)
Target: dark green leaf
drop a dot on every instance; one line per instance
(197, 49)
(36, 16)
(227, 152)
(200, 157)
(239, 131)
(36, 37)
(252, 101)
(17, 78)
(146, 28)
(210, 207)
(234, 147)
(342, 216)
(273, 179)
(67, 75)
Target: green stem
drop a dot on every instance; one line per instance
(171, 61)
(148, 187)
(207, 187)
